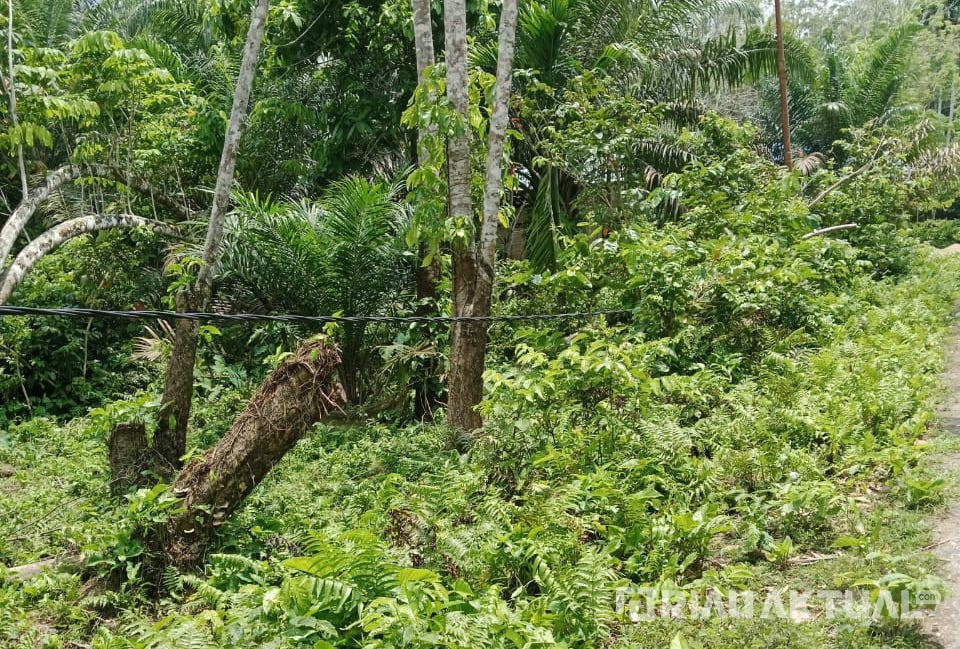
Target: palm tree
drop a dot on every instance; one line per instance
(342, 254)
(845, 90)
(45, 23)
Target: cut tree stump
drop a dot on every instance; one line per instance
(293, 398)
(130, 457)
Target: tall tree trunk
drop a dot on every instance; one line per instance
(12, 93)
(782, 77)
(458, 146)
(473, 264)
(426, 396)
(468, 345)
(294, 397)
(496, 140)
(171, 436)
(953, 104)
(423, 42)
(461, 390)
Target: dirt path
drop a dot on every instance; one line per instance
(944, 624)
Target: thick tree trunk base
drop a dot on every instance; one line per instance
(298, 393)
(170, 439)
(468, 343)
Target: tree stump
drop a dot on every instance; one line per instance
(129, 457)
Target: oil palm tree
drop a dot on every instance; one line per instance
(342, 254)
(847, 89)
(45, 23)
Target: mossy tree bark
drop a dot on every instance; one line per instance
(293, 398)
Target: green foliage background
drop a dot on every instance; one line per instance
(761, 415)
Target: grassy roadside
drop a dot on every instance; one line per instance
(883, 527)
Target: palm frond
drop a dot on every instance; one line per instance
(807, 163)
(879, 77)
(542, 232)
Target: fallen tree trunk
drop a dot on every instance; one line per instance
(294, 397)
(26, 572)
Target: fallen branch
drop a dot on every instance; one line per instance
(809, 559)
(840, 183)
(832, 228)
(939, 543)
(848, 178)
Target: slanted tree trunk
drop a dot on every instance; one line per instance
(294, 397)
(60, 233)
(426, 396)
(473, 262)
(55, 180)
(170, 440)
(171, 435)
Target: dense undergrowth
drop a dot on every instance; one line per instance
(755, 412)
(759, 420)
(594, 475)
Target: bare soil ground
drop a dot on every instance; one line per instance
(944, 623)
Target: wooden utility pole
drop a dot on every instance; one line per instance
(782, 74)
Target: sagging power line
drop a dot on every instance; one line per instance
(76, 312)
